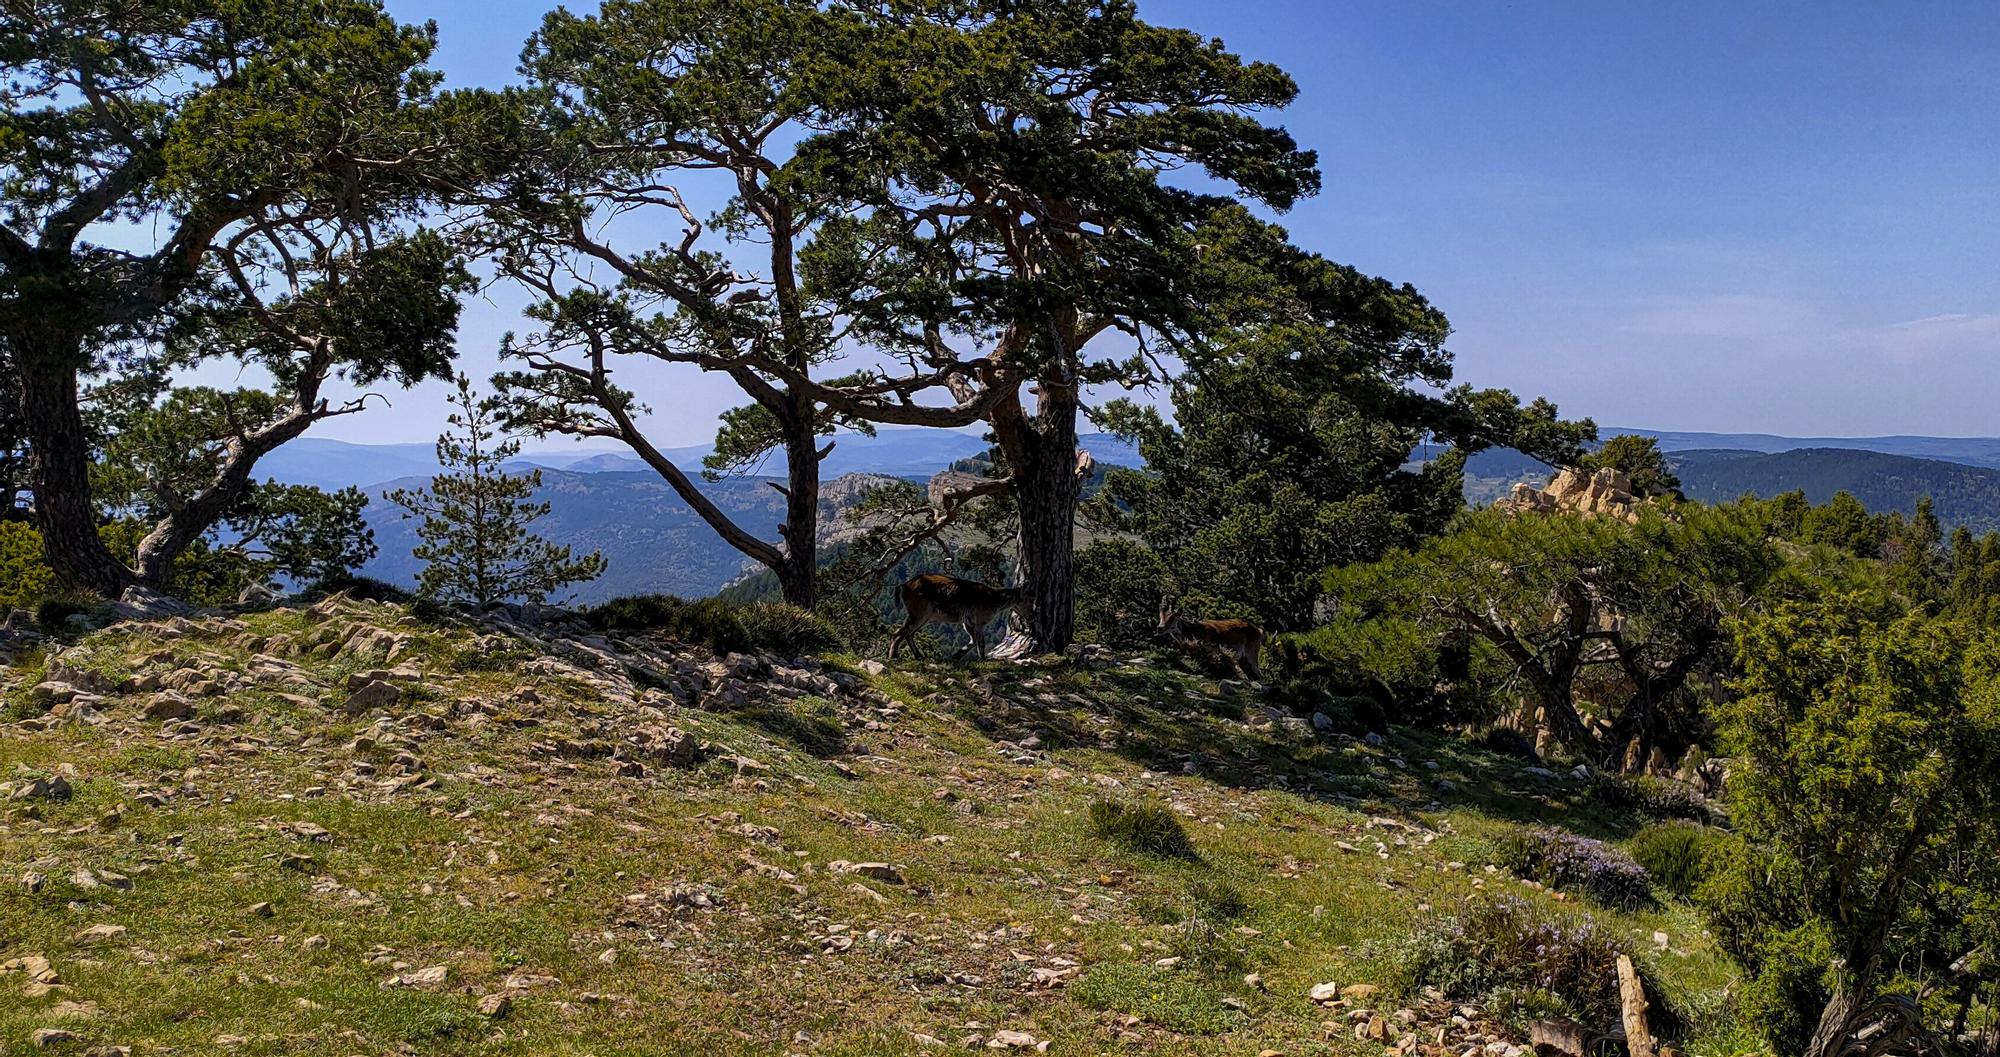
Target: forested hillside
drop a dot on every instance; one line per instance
(1960, 494)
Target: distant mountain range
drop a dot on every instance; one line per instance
(1971, 451)
(611, 501)
(896, 452)
(1961, 494)
(1961, 475)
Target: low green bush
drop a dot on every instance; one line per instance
(1676, 854)
(1146, 828)
(25, 578)
(363, 588)
(773, 627)
(1649, 795)
(1521, 961)
(53, 615)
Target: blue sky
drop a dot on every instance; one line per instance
(1775, 217)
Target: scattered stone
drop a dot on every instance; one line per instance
(44, 1038)
(372, 695)
(496, 1005)
(430, 977)
(879, 871)
(99, 934)
(53, 788)
(168, 705)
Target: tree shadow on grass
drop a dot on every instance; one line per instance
(1163, 718)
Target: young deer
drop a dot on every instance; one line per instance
(937, 598)
(1239, 640)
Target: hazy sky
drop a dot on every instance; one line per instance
(1709, 216)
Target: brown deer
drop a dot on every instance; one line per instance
(940, 599)
(1239, 640)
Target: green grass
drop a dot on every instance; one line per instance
(1160, 996)
(1055, 833)
(1146, 828)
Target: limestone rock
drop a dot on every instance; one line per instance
(370, 696)
(1606, 493)
(99, 934)
(168, 705)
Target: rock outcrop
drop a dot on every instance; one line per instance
(1605, 493)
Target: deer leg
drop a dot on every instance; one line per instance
(1248, 660)
(906, 631)
(978, 634)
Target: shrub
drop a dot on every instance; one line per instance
(1506, 741)
(1146, 828)
(1117, 592)
(1217, 900)
(1566, 861)
(775, 627)
(53, 614)
(361, 588)
(781, 627)
(1430, 680)
(25, 578)
(1676, 854)
(1522, 961)
(1648, 795)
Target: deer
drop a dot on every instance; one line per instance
(1239, 640)
(936, 598)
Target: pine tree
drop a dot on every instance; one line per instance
(475, 534)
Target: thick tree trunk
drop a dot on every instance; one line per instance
(52, 419)
(798, 574)
(1042, 454)
(1560, 715)
(1836, 1022)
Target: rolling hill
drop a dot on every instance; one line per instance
(652, 541)
(1971, 451)
(610, 501)
(325, 463)
(1962, 494)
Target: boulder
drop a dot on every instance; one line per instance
(168, 705)
(372, 695)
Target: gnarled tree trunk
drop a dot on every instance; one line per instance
(52, 419)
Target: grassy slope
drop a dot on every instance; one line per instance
(694, 911)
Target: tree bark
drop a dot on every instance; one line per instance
(1041, 450)
(46, 379)
(798, 574)
(1836, 1021)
